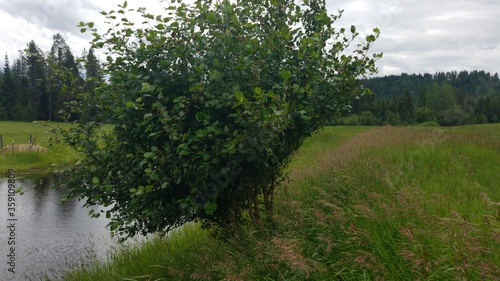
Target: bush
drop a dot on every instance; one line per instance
(392, 118)
(452, 117)
(423, 114)
(351, 120)
(208, 103)
(429, 124)
(368, 119)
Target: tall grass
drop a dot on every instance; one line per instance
(412, 204)
(380, 204)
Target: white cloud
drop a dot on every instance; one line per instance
(416, 36)
(428, 35)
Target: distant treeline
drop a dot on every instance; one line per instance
(451, 98)
(38, 85)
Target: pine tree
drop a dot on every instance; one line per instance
(63, 75)
(37, 95)
(9, 95)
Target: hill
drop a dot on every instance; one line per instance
(451, 98)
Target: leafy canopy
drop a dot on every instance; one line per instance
(208, 102)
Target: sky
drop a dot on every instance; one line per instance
(425, 36)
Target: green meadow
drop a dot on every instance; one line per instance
(34, 163)
(360, 203)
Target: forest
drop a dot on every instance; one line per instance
(38, 85)
(447, 98)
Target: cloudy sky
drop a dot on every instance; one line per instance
(417, 36)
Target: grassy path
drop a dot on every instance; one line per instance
(361, 204)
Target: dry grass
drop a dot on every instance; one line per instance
(23, 148)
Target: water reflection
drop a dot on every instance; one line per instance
(50, 236)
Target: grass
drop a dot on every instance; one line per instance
(415, 203)
(32, 163)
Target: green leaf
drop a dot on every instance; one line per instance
(211, 17)
(239, 95)
(146, 87)
(210, 207)
(130, 104)
(285, 74)
(258, 91)
(235, 20)
(95, 180)
(201, 116)
(148, 154)
(90, 24)
(353, 29)
(154, 176)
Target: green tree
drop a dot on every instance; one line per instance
(208, 103)
(92, 67)
(93, 76)
(405, 108)
(8, 95)
(36, 72)
(439, 99)
(368, 119)
(62, 75)
(423, 114)
(452, 117)
(392, 118)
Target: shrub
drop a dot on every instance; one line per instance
(208, 102)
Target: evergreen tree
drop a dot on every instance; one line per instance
(63, 75)
(8, 91)
(37, 95)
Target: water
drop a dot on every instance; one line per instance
(50, 237)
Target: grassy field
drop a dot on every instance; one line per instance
(33, 163)
(414, 203)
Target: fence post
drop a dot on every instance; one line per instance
(12, 146)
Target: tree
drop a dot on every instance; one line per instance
(405, 107)
(208, 104)
(37, 95)
(441, 98)
(63, 76)
(92, 66)
(423, 114)
(452, 117)
(8, 92)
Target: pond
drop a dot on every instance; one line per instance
(49, 237)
